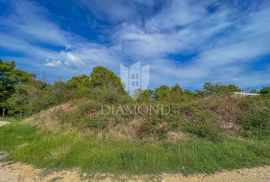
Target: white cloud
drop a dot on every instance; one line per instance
(53, 63)
(116, 11)
(178, 13)
(67, 59)
(226, 41)
(28, 25)
(30, 21)
(71, 60)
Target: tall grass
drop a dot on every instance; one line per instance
(188, 156)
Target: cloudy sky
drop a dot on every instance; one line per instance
(184, 41)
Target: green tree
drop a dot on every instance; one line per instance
(81, 85)
(265, 91)
(103, 78)
(219, 89)
(162, 92)
(107, 87)
(31, 97)
(78, 82)
(9, 78)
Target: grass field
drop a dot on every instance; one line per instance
(66, 150)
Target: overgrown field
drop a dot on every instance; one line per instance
(91, 122)
(190, 155)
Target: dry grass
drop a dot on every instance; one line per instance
(48, 120)
(209, 116)
(61, 151)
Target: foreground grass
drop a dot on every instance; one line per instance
(27, 144)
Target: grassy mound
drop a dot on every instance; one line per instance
(210, 118)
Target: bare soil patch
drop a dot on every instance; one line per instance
(19, 172)
(3, 123)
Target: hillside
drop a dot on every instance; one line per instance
(211, 118)
(93, 124)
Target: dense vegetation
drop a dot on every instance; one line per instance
(188, 131)
(22, 94)
(209, 113)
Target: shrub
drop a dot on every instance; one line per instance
(265, 91)
(203, 125)
(204, 130)
(257, 124)
(254, 117)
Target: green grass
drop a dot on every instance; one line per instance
(92, 155)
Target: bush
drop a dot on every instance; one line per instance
(203, 125)
(204, 130)
(265, 91)
(254, 117)
(257, 124)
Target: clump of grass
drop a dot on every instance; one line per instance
(188, 156)
(16, 134)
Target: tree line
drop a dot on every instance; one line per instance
(21, 93)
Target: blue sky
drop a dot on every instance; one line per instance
(184, 41)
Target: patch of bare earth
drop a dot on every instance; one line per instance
(3, 123)
(19, 172)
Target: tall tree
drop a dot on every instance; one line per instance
(9, 78)
(104, 78)
(80, 85)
